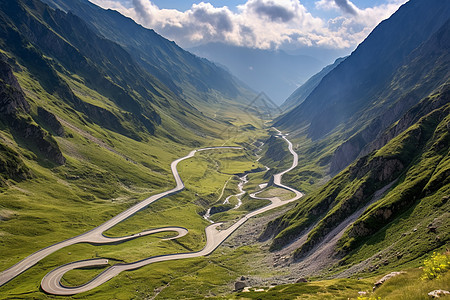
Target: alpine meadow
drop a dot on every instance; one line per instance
(253, 149)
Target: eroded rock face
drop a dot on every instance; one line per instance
(12, 103)
(239, 285)
(375, 136)
(12, 98)
(50, 121)
(36, 136)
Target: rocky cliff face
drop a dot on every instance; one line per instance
(423, 179)
(381, 171)
(12, 98)
(426, 106)
(49, 120)
(14, 107)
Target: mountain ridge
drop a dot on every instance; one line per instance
(301, 93)
(186, 74)
(398, 144)
(369, 71)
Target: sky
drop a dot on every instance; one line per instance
(262, 24)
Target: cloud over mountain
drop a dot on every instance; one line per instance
(259, 23)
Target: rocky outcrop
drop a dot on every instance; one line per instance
(50, 121)
(385, 278)
(36, 138)
(12, 98)
(241, 284)
(438, 293)
(12, 166)
(13, 106)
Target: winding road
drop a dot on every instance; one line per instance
(51, 283)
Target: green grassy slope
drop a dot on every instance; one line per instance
(353, 115)
(85, 133)
(415, 89)
(417, 161)
(197, 80)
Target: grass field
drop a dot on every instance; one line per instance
(64, 201)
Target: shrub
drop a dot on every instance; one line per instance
(436, 265)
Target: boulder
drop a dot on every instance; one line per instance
(239, 285)
(438, 293)
(386, 277)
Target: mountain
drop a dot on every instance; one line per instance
(300, 94)
(190, 77)
(273, 72)
(89, 127)
(81, 57)
(356, 83)
(422, 72)
(387, 138)
(91, 123)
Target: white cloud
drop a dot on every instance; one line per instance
(259, 23)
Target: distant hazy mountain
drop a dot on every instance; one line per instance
(300, 94)
(276, 73)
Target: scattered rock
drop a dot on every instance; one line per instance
(239, 285)
(301, 280)
(242, 278)
(399, 255)
(438, 293)
(432, 228)
(415, 229)
(386, 277)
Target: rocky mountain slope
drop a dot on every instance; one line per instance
(300, 94)
(87, 130)
(355, 84)
(188, 76)
(389, 134)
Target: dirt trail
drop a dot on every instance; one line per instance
(322, 256)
